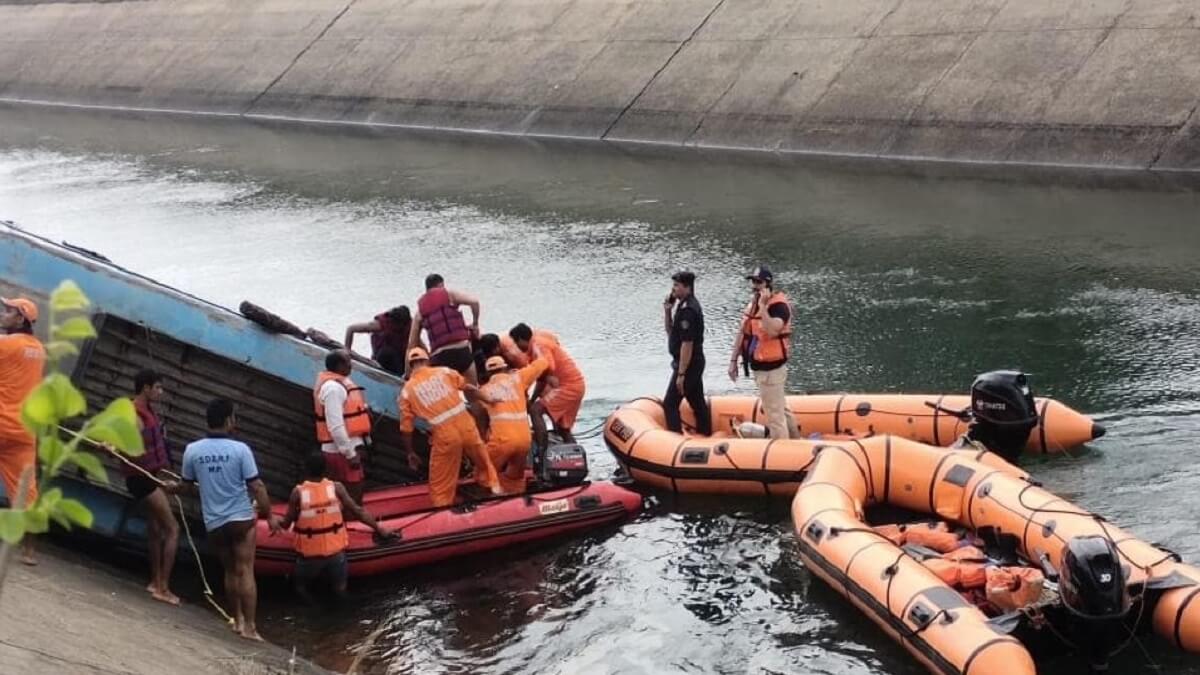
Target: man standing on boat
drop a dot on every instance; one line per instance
(449, 335)
(508, 419)
(435, 394)
(22, 365)
(321, 540)
(764, 342)
(389, 337)
(559, 393)
(162, 532)
(343, 422)
(224, 472)
(685, 342)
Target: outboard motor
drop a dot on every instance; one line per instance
(1093, 586)
(1003, 412)
(563, 465)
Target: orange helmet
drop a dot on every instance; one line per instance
(495, 363)
(417, 354)
(24, 307)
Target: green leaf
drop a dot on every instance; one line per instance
(50, 498)
(91, 466)
(60, 349)
(117, 426)
(52, 452)
(37, 520)
(54, 400)
(75, 512)
(68, 297)
(76, 328)
(12, 525)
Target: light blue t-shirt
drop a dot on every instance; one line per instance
(221, 467)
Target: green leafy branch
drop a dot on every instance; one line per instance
(54, 402)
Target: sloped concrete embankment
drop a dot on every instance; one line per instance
(1111, 83)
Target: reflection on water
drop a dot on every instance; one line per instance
(901, 283)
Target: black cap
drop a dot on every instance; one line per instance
(761, 273)
(685, 277)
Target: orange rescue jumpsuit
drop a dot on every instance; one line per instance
(435, 394)
(509, 438)
(22, 361)
(562, 402)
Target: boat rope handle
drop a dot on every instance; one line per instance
(187, 530)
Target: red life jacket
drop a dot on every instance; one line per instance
(154, 438)
(394, 336)
(444, 323)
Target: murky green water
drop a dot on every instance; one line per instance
(901, 283)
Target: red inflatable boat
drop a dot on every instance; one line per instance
(428, 535)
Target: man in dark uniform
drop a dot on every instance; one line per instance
(685, 341)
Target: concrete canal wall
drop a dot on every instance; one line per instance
(1085, 82)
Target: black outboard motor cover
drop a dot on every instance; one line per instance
(1004, 412)
(563, 465)
(1091, 579)
(1093, 586)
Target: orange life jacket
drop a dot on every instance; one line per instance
(958, 574)
(354, 412)
(756, 345)
(320, 528)
(434, 394)
(1010, 588)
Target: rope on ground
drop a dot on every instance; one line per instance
(187, 530)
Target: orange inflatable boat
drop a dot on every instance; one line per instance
(934, 419)
(1101, 585)
(635, 433)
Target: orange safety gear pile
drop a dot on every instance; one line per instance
(435, 395)
(562, 402)
(1010, 588)
(320, 528)
(355, 412)
(509, 437)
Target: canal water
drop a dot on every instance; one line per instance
(902, 281)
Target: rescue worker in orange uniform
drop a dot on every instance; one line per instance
(509, 437)
(22, 365)
(559, 393)
(343, 422)
(435, 394)
(316, 508)
(763, 342)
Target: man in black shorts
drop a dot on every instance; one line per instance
(224, 472)
(448, 333)
(316, 507)
(162, 532)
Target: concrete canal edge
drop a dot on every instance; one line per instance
(1103, 83)
(74, 615)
